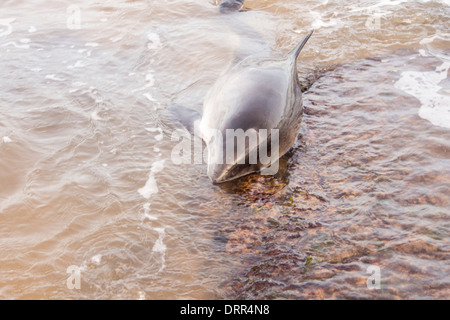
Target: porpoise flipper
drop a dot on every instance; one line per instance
(186, 116)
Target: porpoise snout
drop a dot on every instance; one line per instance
(219, 173)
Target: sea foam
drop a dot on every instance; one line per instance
(425, 86)
(151, 186)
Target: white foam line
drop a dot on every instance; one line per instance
(446, 2)
(54, 77)
(435, 107)
(94, 115)
(160, 247)
(141, 295)
(150, 97)
(158, 137)
(78, 64)
(147, 214)
(21, 46)
(319, 23)
(150, 79)
(151, 186)
(97, 259)
(383, 3)
(154, 41)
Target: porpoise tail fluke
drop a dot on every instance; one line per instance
(229, 6)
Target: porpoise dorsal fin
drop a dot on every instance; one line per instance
(294, 53)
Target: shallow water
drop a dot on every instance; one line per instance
(87, 178)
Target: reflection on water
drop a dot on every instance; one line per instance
(86, 177)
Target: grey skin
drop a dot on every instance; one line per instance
(256, 93)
